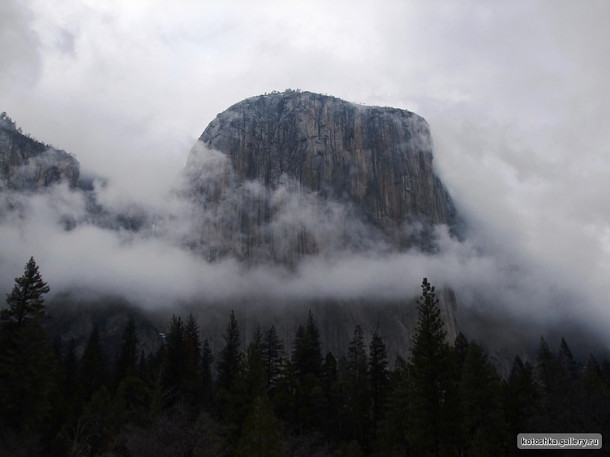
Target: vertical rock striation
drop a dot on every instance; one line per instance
(373, 162)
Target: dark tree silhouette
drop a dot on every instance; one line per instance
(273, 354)
(28, 366)
(26, 299)
(433, 388)
(378, 378)
(128, 356)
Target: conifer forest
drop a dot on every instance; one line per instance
(281, 398)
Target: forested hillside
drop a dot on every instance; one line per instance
(279, 398)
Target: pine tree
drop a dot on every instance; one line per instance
(332, 398)
(481, 414)
(566, 360)
(230, 356)
(432, 417)
(307, 354)
(126, 364)
(554, 412)
(230, 384)
(546, 367)
(207, 380)
(193, 344)
(567, 408)
(394, 428)
(26, 300)
(70, 369)
(93, 366)
(594, 399)
(307, 363)
(521, 398)
(192, 379)
(378, 379)
(175, 359)
(273, 354)
(256, 378)
(358, 407)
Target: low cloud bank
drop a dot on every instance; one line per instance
(157, 267)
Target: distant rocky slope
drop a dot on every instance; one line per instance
(297, 160)
(278, 179)
(29, 165)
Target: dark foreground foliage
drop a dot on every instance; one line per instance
(275, 398)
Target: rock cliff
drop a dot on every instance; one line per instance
(274, 179)
(294, 164)
(29, 165)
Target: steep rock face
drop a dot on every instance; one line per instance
(29, 165)
(369, 169)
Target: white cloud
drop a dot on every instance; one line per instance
(515, 94)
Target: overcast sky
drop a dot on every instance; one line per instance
(516, 94)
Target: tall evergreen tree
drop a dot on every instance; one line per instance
(394, 428)
(333, 398)
(93, 366)
(192, 342)
(307, 353)
(378, 379)
(307, 363)
(192, 379)
(594, 398)
(27, 363)
(568, 413)
(230, 385)
(566, 360)
(273, 355)
(26, 299)
(256, 378)
(432, 418)
(556, 410)
(358, 408)
(481, 414)
(126, 363)
(230, 356)
(175, 359)
(207, 380)
(521, 397)
(70, 369)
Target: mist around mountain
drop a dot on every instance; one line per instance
(275, 238)
(295, 239)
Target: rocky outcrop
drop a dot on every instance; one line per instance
(29, 165)
(368, 170)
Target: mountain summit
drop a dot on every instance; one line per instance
(296, 173)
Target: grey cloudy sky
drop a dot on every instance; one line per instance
(516, 94)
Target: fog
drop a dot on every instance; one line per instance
(515, 95)
(165, 264)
